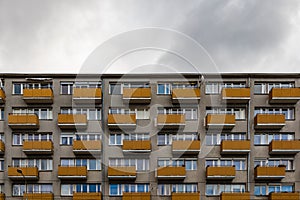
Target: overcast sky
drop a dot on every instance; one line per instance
(58, 36)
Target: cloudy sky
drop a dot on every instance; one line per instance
(58, 36)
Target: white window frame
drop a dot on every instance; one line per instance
(215, 162)
(167, 88)
(131, 162)
(69, 86)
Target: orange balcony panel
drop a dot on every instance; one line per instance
(137, 95)
(2, 196)
(269, 173)
(284, 196)
(220, 121)
(269, 121)
(38, 147)
(223, 172)
(185, 196)
(44, 95)
(136, 196)
(122, 172)
(170, 121)
(30, 173)
(86, 147)
(23, 121)
(87, 195)
(235, 196)
(2, 96)
(2, 147)
(72, 121)
(185, 95)
(284, 95)
(87, 95)
(38, 196)
(116, 121)
(284, 147)
(235, 146)
(186, 147)
(142, 146)
(170, 172)
(72, 172)
(236, 95)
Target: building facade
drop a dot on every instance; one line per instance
(137, 136)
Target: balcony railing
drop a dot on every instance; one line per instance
(122, 172)
(235, 146)
(2, 96)
(269, 173)
(38, 196)
(142, 146)
(185, 196)
(23, 121)
(30, 173)
(284, 95)
(170, 121)
(186, 147)
(43, 95)
(284, 196)
(87, 95)
(284, 147)
(170, 172)
(86, 147)
(137, 95)
(87, 195)
(236, 95)
(269, 121)
(185, 95)
(224, 121)
(38, 147)
(221, 173)
(136, 196)
(119, 121)
(2, 147)
(72, 121)
(2, 196)
(235, 196)
(72, 172)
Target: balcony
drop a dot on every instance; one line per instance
(36, 96)
(284, 95)
(120, 121)
(186, 147)
(235, 146)
(185, 196)
(269, 121)
(2, 96)
(23, 121)
(122, 172)
(2, 147)
(30, 173)
(87, 95)
(269, 173)
(139, 146)
(72, 172)
(170, 173)
(72, 121)
(38, 196)
(86, 147)
(216, 121)
(38, 147)
(136, 196)
(235, 196)
(220, 173)
(235, 95)
(284, 196)
(170, 121)
(137, 95)
(2, 196)
(87, 195)
(284, 147)
(187, 95)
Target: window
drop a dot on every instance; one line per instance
(140, 164)
(67, 138)
(185, 85)
(216, 87)
(18, 138)
(265, 88)
(115, 88)
(117, 138)
(19, 189)
(42, 113)
(18, 87)
(288, 112)
(262, 190)
(216, 138)
(163, 88)
(66, 88)
(41, 164)
(240, 164)
(217, 189)
(68, 189)
(266, 138)
(92, 113)
(166, 189)
(90, 84)
(190, 113)
(167, 138)
(91, 164)
(190, 164)
(118, 189)
(240, 113)
(289, 163)
(139, 113)
(1, 113)
(2, 138)
(1, 164)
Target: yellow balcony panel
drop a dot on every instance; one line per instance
(142, 146)
(284, 95)
(170, 121)
(269, 173)
(221, 173)
(235, 95)
(185, 95)
(87, 195)
(137, 95)
(136, 196)
(23, 121)
(235, 146)
(284, 147)
(38, 196)
(235, 196)
(72, 172)
(86, 147)
(87, 95)
(186, 147)
(269, 121)
(284, 196)
(122, 172)
(72, 121)
(224, 121)
(38, 147)
(2, 96)
(30, 173)
(119, 121)
(185, 196)
(2, 196)
(170, 173)
(44, 95)
(2, 147)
